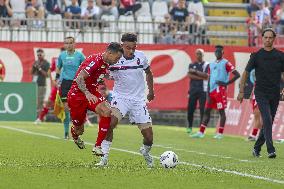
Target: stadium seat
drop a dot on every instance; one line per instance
(37, 35)
(20, 34)
(55, 36)
(91, 36)
(144, 24)
(54, 22)
(5, 34)
(159, 8)
(110, 36)
(110, 22)
(126, 23)
(145, 10)
(157, 22)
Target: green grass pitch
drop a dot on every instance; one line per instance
(36, 156)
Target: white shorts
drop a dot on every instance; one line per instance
(138, 112)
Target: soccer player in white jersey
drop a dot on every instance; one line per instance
(129, 96)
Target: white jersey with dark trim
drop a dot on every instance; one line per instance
(128, 75)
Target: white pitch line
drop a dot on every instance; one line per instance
(156, 157)
(203, 153)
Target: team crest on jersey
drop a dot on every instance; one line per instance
(138, 61)
(100, 78)
(103, 66)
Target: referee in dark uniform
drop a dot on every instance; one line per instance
(268, 63)
(198, 87)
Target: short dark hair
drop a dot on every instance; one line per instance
(219, 47)
(268, 29)
(115, 47)
(70, 37)
(40, 50)
(130, 37)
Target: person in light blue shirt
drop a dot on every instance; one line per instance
(66, 68)
(217, 91)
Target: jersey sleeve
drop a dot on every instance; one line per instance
(251, 63)
(145, 62)
(230, 67)
(92, 66)
(59, 62)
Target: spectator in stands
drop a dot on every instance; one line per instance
(18, 7)
(181, 16)
(5, 11)
(40, 72)
(167, 31)
(279, 20)
(253, 29)
(73, 12)
(53, 6)
(90, 13)
(128, 7)
(108, 7)
(35, 11)
(252, 7)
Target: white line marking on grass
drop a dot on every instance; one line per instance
(203, 153)
(156, 157)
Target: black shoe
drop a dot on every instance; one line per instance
(256, 153)
(272, 155)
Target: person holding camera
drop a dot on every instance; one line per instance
(40, 72)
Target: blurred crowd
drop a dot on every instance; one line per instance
(263, 14)
(177, 18)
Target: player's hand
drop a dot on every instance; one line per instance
(221, 83)
(150, 96)
(192, 71)
(91, 98)
(240, 97)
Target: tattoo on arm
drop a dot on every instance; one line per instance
(80, 80)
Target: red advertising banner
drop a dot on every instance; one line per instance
(240, 119)
(169, 64)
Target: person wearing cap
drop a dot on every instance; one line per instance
(268, 63)
(40, 70)
(219, 72)
(198, 87)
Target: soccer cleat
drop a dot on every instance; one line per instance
(251, 138)
(97, 151)
(80, 143)
(197, 135)
(103, 162)
(218, 136)
(189, 130)
(272, 155)
(37, 121)
(148, 158)
(256, 153)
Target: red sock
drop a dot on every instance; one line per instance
(73, 133)
(221, 130)
(202, 128)
(254, 132)
(104, 125)
(43, 113)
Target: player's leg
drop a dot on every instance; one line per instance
(219, 134)
(147, 132)
(192, 100)
(202, 101)
(257, 124)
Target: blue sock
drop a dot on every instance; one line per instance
(66, 123)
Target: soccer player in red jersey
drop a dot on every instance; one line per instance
(84, 94)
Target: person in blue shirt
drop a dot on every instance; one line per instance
(66, 68)
(217, 91)
(73, 11)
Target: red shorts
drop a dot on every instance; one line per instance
(52, 94)
(253, 102)
(218, 99)
(78, 105)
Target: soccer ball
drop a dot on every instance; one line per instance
(169, 159)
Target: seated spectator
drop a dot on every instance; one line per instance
(73, 12)
(5, 11)
(279, 20)
(253, 29)
(35, 11)
(53, 6)
(167, 31)
(180, 15)
(107, 7)
(128, 7)
(90, 12)
(252, 7)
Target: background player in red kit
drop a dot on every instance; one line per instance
(84, 94)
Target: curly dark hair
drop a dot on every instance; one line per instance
(130, 37)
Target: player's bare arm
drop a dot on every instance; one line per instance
(149, 79)
(242, 86)
(80, 80)
(236, 76)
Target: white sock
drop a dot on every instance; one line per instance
(147, 148)
(106, 146)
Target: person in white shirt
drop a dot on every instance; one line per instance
(129, 96)
(90, 12)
